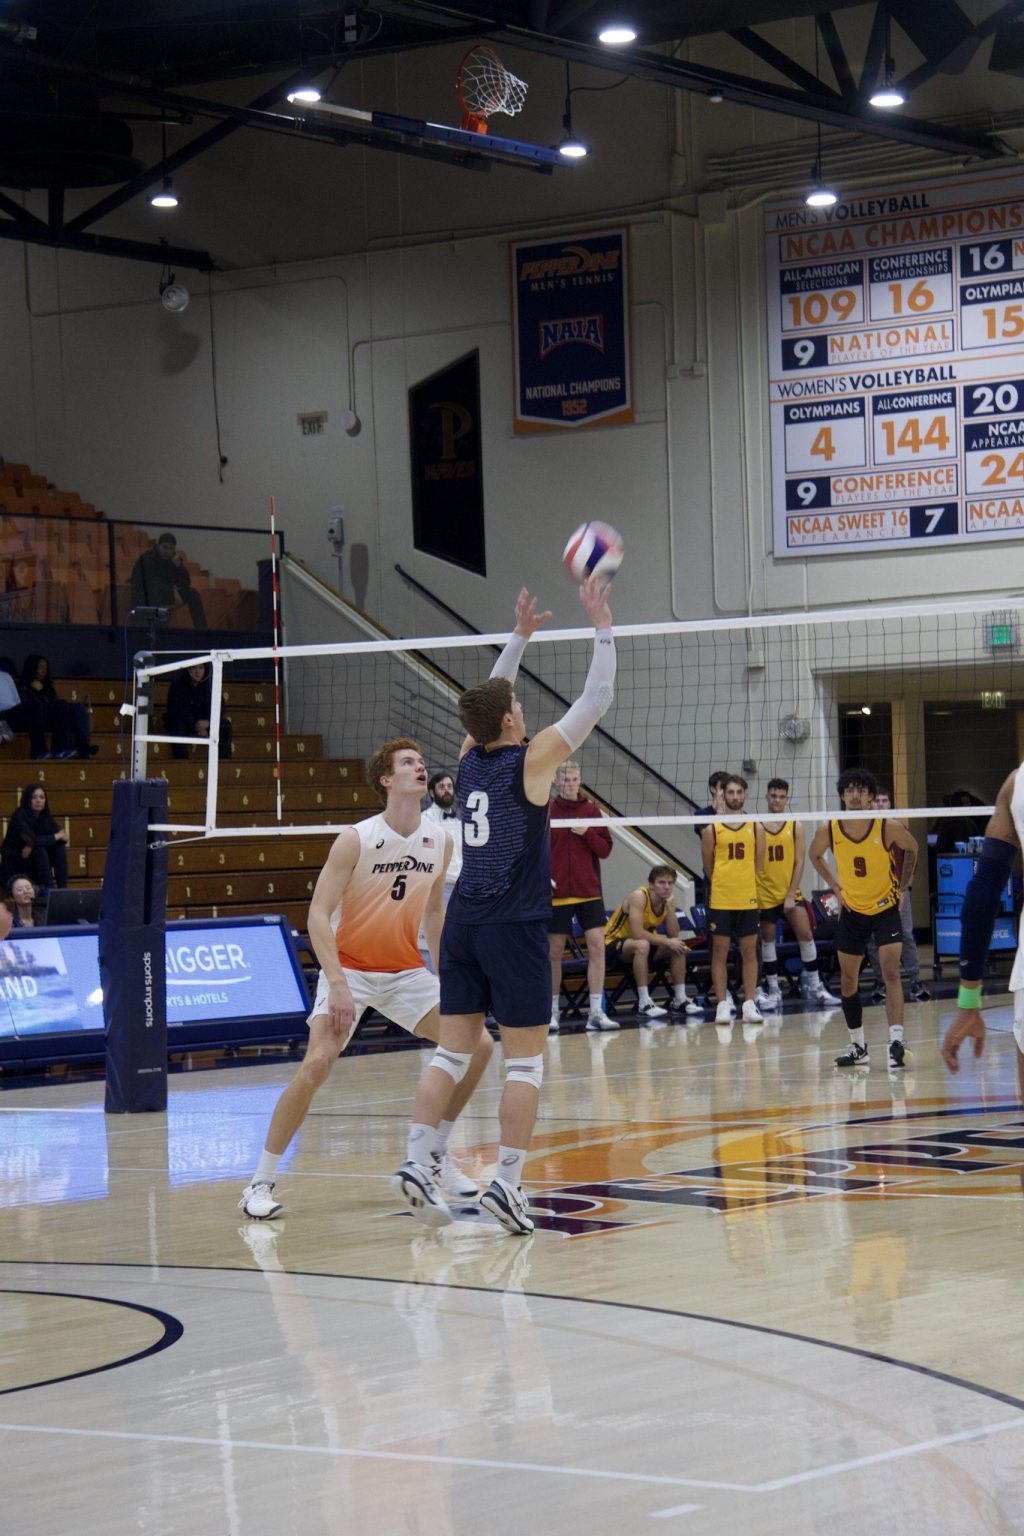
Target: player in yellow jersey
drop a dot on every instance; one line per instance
(734, 855)
(631, 933)
(383, 877)
(778, 896)
(870, 894)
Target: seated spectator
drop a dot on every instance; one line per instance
(189, 707)
(35, 844)
(23, 903)
(68, 723)
(160, 579)
(10, 700)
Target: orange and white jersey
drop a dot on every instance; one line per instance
(387, 894)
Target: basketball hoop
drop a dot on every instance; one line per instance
(484, 86)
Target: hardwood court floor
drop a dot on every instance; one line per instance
(763, 1297)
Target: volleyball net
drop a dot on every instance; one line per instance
(926, 696)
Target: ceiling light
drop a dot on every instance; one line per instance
(166, 197)
(571, 147)
(820, 195)
(616, 35)
(305, 94)
(716, 97)
(865, 709)
(887, 94)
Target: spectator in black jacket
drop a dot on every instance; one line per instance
(160, 579)
(35, 844)
(68, 723)
(189, 707)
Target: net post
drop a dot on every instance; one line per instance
(213, 759)
(140, 718)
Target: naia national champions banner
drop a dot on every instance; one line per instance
(572, 347)
(896, 367)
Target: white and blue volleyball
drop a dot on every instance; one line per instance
(595, 549)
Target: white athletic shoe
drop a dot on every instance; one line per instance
(750, 1013)
(651, 1011)
(258, 1201)
(724, 1012)
(823, 997)
(451, 1180)
(415, 1185)
(767, 999)
(509, 1205)
(555, 1024)
(600, 1020)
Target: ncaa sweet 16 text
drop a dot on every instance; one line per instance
(896, 359)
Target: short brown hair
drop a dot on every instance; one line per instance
(659, 870)
(735, 778)
(381, 764)
(482, 709)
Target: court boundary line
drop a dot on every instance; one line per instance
(589, 1301)
(173, 1330)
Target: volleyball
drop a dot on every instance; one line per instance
(595, 549)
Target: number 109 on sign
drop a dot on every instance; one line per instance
(806, 311)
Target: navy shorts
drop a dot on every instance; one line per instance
(498, 968)
(855, 928)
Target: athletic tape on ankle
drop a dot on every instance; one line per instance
(455, 1063)
(525, 1069)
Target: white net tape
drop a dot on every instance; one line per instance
(486, 86)
(925, 695)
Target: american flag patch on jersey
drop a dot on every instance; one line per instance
(428, 842)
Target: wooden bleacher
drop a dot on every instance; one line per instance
(213, 878)
(63, 567)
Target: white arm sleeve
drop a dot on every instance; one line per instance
(507, 664)
(599, 689)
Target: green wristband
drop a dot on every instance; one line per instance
(969, 997)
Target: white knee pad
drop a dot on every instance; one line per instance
(455, 1063)
(808, 950)
(525, 1069)
(769, 950)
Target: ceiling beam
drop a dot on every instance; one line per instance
(107, 245)
(817, 107)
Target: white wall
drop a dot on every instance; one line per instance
(355, 273)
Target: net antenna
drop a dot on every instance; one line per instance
(484, 86)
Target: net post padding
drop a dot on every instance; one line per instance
(133, 920)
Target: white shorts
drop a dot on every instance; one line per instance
(404, 997)
(1018, 1019)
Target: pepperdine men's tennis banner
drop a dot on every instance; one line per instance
(573, 363)
(896, 367)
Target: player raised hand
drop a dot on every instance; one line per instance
(528, 620)
(967, 1024)
(594, 597)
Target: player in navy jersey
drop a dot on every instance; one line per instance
(494, 945)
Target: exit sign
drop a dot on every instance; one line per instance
(1002, 634)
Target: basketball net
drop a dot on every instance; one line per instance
(484, 86)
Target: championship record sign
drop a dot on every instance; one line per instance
(896, 368)
(572, 353)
